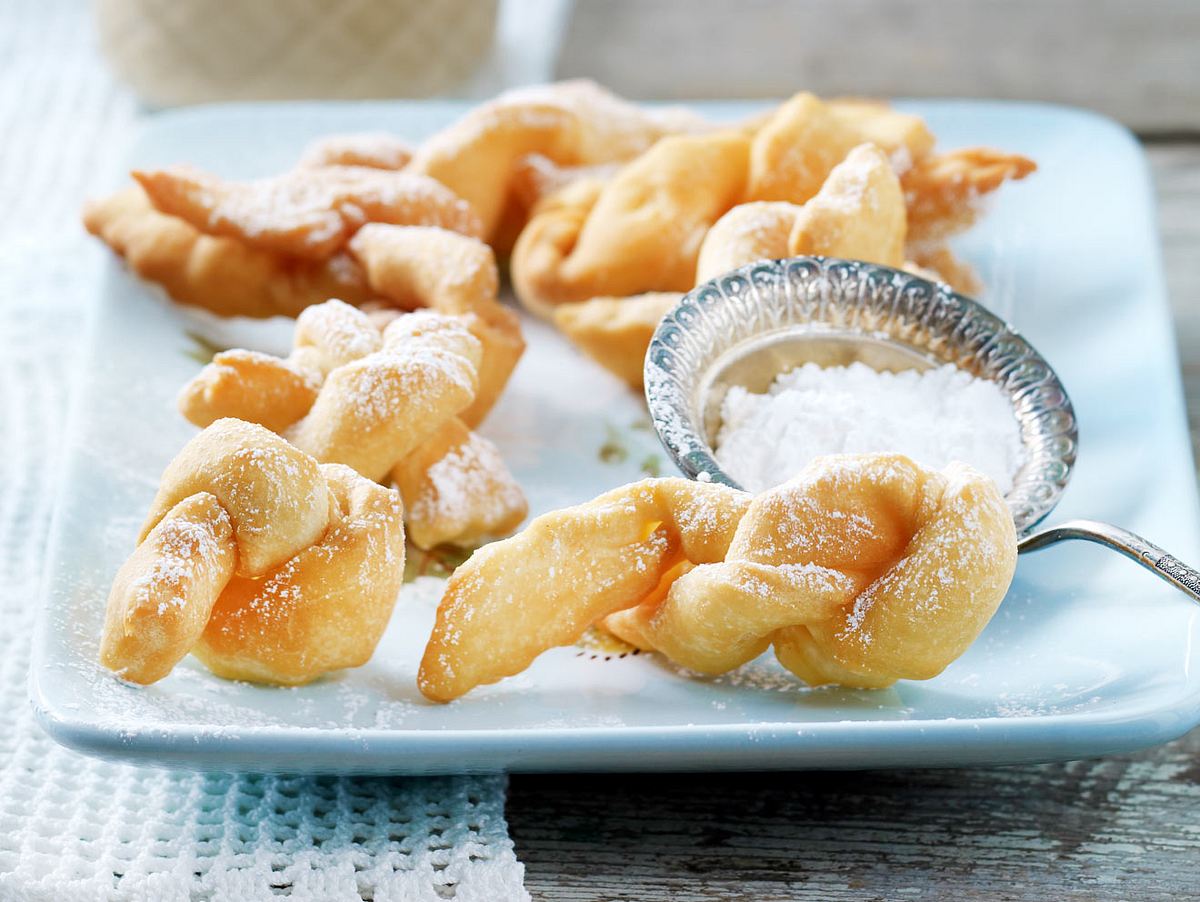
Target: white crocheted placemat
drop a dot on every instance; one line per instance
(73, 828)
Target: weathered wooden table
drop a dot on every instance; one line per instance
(1112, 828)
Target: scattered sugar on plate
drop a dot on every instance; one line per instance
(934, 416)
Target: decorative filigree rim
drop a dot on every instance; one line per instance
(782, 296)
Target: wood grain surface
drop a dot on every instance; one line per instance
(1136, 62)
(1114, 828)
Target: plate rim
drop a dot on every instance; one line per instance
(769, 745)
(990, 740)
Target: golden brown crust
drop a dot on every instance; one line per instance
(572, 123)
(373, 411)
(898, 596)
(414, 267)
(858, 213)
(251, 386)
(457, 489)
(324, 609)
(163, 594)
(543, 587)
(638, 233)
(903, 136)
(271, 567)
(273, 493)
(615, 332)
(270, 247)
(218, 274)
(388, 405)
(864, 569)
(534, 179)
(641, 230)
(690, 209)
(306, 213)
(797, 148)
(753, 231)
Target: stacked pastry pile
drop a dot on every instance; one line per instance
(275, 548)
(393, 404)
(361, 222)
(607, 257)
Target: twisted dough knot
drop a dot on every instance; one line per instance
(415, 267)
(858, 213)
(263, 563)
(641, 231)
(387, 404)
(862, 570)
(374, 410)
(278, 245)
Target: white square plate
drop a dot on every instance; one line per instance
(1088, 654)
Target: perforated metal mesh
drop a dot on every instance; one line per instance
(79, 829)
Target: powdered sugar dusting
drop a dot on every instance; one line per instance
(424, 357)
(311, 211)
(341, 332)
(934, 417)
(469, 483)
(185, 547)
(601, 126)
(849, 186)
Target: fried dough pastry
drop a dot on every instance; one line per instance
(414, 267)
(266, 565)
(534, 179)
(615, 332)
(378, 150)
(571, 123)
(374, 410)
(862, 570)
(858, 213)
(383, 265)
(388, 404)
(457, 489)
(637, 233)
(310, 213)
(544, 586)
(220, 274)
(641, 230)
(265, 248)
(798, 146)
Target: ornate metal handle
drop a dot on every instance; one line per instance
(1133, 546)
